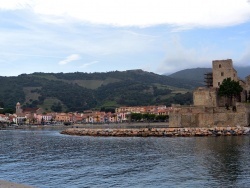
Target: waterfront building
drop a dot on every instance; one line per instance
(210, 109)
(27, 115)
(4, 118)
(62, 117)
(123, 113)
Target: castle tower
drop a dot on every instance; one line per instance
(223, 69)
(18, 109)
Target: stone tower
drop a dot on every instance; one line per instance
(223, 69)
(18, 109)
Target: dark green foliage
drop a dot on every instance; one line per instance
(11, 91)
(161, 91)
(127, 92)
(32, 104)
(182, 99)
(132, 88)
(107, 109)
(196, 74)
(56, 107)
(7, 110)
(138, 75)
(1, 104)
(162, 117)
(148, 117)
(74, 97)
(136, 116)
(230, 89)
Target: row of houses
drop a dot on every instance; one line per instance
(37, 116)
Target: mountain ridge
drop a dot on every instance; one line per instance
(197, 74)
(82, 91)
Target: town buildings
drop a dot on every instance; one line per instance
(37, 116)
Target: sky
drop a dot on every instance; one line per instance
(160, 36)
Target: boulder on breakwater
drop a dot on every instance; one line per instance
(159, 132)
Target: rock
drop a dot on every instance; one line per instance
(169, 134)
(198, 134)
(157, 132)
(171, 130)
(228, 134)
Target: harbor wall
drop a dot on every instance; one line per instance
(195, 116)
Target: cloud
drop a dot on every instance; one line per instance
(15, 4)
(245, 57)
(69, 59)
(182, 13)
(39, 32)
(88, 64)
(179, 57)
(25, 38)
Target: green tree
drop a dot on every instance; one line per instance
(1, 104)
(136, 116)
(56, 107)
(7, 110)
(162, 117)
(230, 89)
(148, 117)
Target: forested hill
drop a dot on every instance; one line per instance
(80, 91)
(197, 74)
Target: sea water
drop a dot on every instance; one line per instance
(46, 158)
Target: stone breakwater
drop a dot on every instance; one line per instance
(159, 132)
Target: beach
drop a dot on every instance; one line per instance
(6, 184)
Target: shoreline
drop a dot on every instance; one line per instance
(94, 126)
(7, 184)
(158, 132)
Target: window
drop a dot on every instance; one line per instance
(219, 65)
(218, 83)
(222, 73)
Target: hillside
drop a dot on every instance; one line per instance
(197, 74)
(80, 91)
(243, 71)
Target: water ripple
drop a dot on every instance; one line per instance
(48, 159)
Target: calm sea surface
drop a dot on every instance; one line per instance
(45, 158)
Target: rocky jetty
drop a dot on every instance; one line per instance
(159, 132)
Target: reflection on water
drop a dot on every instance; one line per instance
(49, 159)
(223, 158)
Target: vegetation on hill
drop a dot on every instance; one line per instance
(197, 74)
(72, 91)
